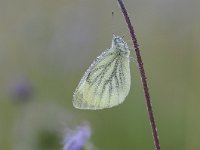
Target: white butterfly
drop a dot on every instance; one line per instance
(107, 81)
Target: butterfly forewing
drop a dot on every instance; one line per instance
(106, 83)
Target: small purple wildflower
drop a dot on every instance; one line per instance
(75, 140)
(21, 90)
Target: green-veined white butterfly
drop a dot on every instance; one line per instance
(107, 81)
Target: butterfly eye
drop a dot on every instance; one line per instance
(117, 41)
(119, 44)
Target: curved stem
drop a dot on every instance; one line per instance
(142, 74)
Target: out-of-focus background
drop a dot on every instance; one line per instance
(46, 46)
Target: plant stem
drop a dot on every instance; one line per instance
(143, 76)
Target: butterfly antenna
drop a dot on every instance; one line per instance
(113, 22)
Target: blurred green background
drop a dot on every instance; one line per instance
(49, 44)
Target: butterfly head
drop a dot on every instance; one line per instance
(119, 44)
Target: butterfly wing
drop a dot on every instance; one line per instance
(105, 84)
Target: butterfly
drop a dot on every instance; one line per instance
(107, 81)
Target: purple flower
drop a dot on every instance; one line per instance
(21, 90)
(75, 140)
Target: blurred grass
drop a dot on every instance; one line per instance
(53, 42)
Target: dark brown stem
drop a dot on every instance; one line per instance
(142, 74)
